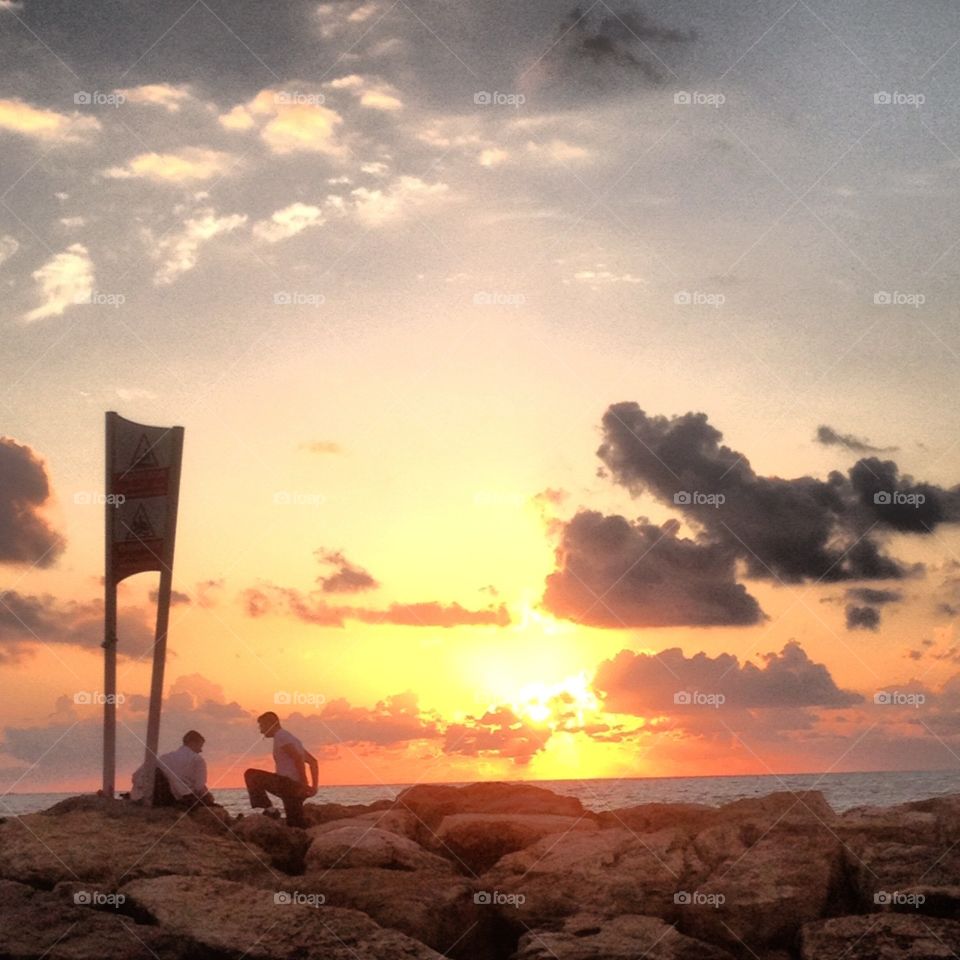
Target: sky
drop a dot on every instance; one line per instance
(566, 388)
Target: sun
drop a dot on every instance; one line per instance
(564, 705)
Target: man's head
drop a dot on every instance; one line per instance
(269, 723)
(193, 740)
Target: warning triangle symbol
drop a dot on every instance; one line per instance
(141, 527)
(143, 456)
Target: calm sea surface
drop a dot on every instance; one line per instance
(842, 790)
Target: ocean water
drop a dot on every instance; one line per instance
(842, 790)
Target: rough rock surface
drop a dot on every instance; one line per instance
(891, 936)
(257, 924)
(362, 845)
(628, 937)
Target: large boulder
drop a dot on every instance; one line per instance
(762, 896)
(361, 845)
(236, 921)
(317, 813)
(37, 924)
(606, 873)
(628, 937)
(476, 841)
(285, 847)
(434, 907)
(393, 820)
(651, 817)
(119, 842)
(432, 802)
(890, 936)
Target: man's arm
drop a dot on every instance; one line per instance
(311, 762)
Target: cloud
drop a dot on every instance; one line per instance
(177, 597)
(47, 126)
(64, 280)
(372, 93)
(643, 684)
(378, 207)
(348, 577)
(8, 247)
(792, 530)
(29, 620)
(862, 618)
(615, 573)
(185, 166)
(178, 250)
(557, 151)
(288, 222)
(25, 536)
(322, 446)
(313, 608)
(497, 733)
(165, 95)
(830, 438)
(875, 597)
(289, 121)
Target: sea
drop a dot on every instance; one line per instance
(842, 790)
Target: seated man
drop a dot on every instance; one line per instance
(181, 777)
(289, 783)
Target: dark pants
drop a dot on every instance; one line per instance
(163, 795)
(259, 782)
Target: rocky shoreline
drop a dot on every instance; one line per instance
(490, 871)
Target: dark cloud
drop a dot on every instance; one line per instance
(313, 608)
(792, 530)
(868, 595)
(614, 573)
(830, 438)
(25, 536)
(348, 577)
(862, 618)
(27, 621)
(641, 683)
(616, 39)
(177, 598)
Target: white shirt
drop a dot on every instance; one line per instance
(186, 770)
(285, 764)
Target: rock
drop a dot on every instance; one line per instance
(37, 924)
(783, 808)
(762, 896)
(606, 873)
(360, 845)
(892, 936)
(284, 846)
(628, 937)
(237, 921)
(402, 822)
(651, 817)
(432, 802)
(476, 841)
(317, 813)
(116, 844)
(436, 908)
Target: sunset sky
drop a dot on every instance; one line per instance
(542, 367)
